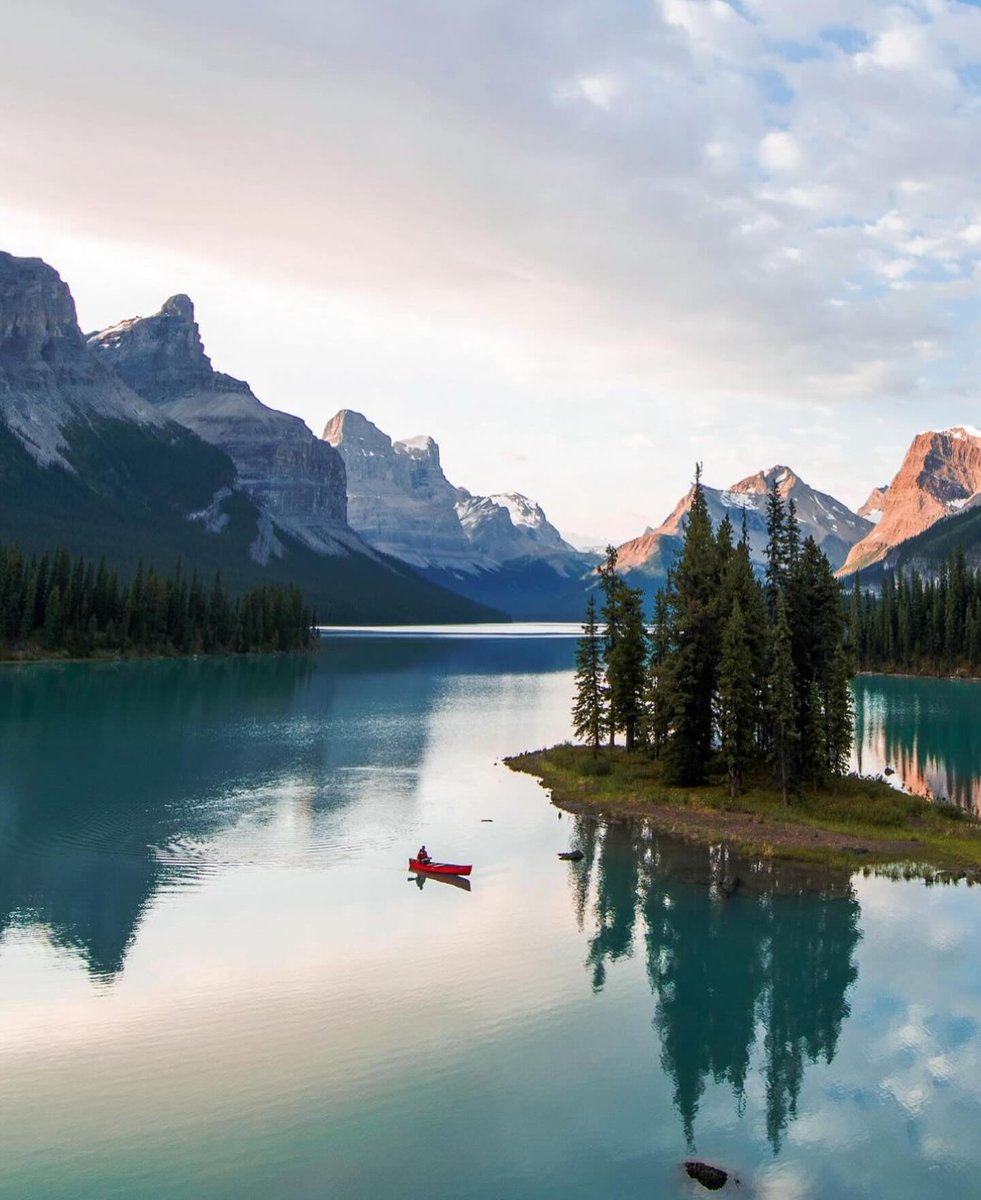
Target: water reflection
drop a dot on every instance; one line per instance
(927, 730)
(772, 965)
(118, 779)
(455, 881)
(96, 773)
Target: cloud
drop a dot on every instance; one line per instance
(703, 210)
(779, 151)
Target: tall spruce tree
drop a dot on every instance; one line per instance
(737, 701)
(610, 585)
(781, 700)
(695, 638)
(776, 548)
(588, 715)
(816, 614)
(839, 713)
(739, 582)
(657, 710)
(625, 665)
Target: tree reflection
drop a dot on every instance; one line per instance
(779, 955)
(118, 778)
(102, 765)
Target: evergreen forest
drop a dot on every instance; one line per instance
(55, 605)
(730, 674)
(919, 626)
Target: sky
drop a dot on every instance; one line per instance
(582, 243)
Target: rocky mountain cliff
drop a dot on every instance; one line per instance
(89, 465)
(49, 382)
(398, 498)
(501, 549)
(873, 508)
(832, 525)
(940, 476)
(298, 480)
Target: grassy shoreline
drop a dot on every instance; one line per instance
(859, 822)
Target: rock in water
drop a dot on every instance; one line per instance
(708, 1176)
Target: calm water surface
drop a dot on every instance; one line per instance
(927, 730)
(218, 980)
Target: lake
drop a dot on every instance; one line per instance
(217, 978)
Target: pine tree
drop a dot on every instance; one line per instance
(53, 618)
(695, 637)
(625, 665)
(781, 699)
(657, 707)
(739, 583)
(776, 547)
(612, 596)
(588, 716)
(736, 699)
(839, 714)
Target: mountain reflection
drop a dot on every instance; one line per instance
(777, 957)
(117, 778)
(96, 770)
(927, 730)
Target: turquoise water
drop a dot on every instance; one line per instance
(927, 730)
(218, 980)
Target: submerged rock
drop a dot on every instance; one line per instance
(708, 1176)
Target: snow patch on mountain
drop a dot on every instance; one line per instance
(400, 501)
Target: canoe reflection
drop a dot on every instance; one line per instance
(456, 881)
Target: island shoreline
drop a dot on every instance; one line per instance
(707, 816)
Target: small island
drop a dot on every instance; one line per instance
(860, 821)
(736, 713)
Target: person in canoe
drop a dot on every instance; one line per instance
(423, 855)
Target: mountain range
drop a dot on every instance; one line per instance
(645, 560)
(499, 549)
(128, 443)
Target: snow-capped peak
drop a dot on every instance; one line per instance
(521, 510)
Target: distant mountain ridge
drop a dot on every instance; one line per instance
(500, 548)
(89, 463)
(830, 522)
(130, 443)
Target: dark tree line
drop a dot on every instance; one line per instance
(917, 625)
(732, 671)
(57, 604)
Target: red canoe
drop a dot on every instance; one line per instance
(435, 868)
